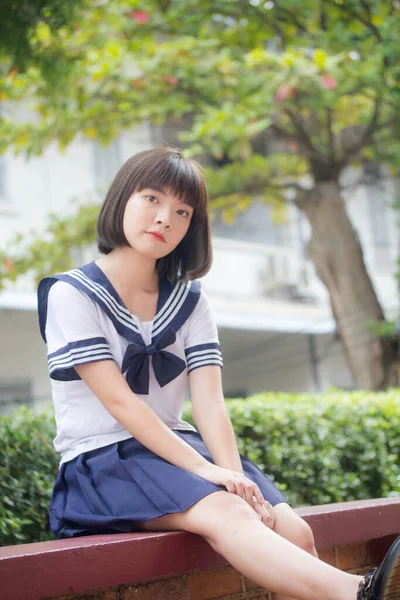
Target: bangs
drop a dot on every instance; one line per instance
(165, 170)
(179, 176)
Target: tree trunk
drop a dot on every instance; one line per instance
(337, 255)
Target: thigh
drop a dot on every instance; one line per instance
(203, 517)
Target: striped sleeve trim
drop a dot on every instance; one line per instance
(62, 362)
(203, 355)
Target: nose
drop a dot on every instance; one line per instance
(164, 217)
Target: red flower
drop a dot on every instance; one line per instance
(328, 82)
(285, 91)
(140, 16)
(171, 79)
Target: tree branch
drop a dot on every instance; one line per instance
(258, 188)
(280, 132)
(387, 124)
(291, 17)
(284, 186)
(195, 95)
(306, 152)
(369, 23)
(345, 8)
(302, 135)
(368, 131)
(330, 135)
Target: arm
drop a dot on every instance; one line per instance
(211, 417)
(109, 385)
(76, 342)
(215, 426)
(106, 382)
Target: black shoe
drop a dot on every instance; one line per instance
(383, 582)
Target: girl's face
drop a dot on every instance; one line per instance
(155, 222)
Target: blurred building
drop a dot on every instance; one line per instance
(275, 323)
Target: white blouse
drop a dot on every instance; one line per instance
(82, 319)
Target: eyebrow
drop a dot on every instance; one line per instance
(163, 192)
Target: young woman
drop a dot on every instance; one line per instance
(125, 333)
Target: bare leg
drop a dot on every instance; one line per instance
(234, 530)
(289, 525)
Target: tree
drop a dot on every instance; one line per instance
(18, 23)
(319, 78)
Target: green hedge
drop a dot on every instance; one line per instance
(318, 449)
(28, 468)
(324, 448)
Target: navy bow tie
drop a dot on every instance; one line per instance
(166, 365)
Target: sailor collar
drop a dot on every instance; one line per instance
(176, 303)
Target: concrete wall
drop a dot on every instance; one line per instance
(268, 361)
(23, 356)
(55, 183)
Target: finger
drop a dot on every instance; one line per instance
(256, 490)
(259, 517)
(269, 507)
(271, 512)
(260, 509)
(230, 486)
(248, 490)
(266, 513)
(247, 493)
(268, 522)
(258, 494)
(267, 518)
(240, 489)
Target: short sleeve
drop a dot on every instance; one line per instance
(73, 333)
(201, 338)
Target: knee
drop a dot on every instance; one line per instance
(233, 508)
(302, 536)
(228, 512)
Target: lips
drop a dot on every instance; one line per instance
(157, 236)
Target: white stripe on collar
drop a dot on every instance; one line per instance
(118, 311)
(171, 307)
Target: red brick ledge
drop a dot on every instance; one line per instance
(62, 567)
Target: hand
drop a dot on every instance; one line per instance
(235, 483)
(266, 513)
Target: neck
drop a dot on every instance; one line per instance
(130, 269)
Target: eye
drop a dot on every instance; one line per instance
(152, 198)
(181, 211)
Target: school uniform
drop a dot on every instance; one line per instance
(107, 479)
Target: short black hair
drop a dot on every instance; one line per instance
(162, 168)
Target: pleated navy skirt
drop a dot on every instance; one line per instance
(109, 489)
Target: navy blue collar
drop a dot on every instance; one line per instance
(96, 274)
(175, 303)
